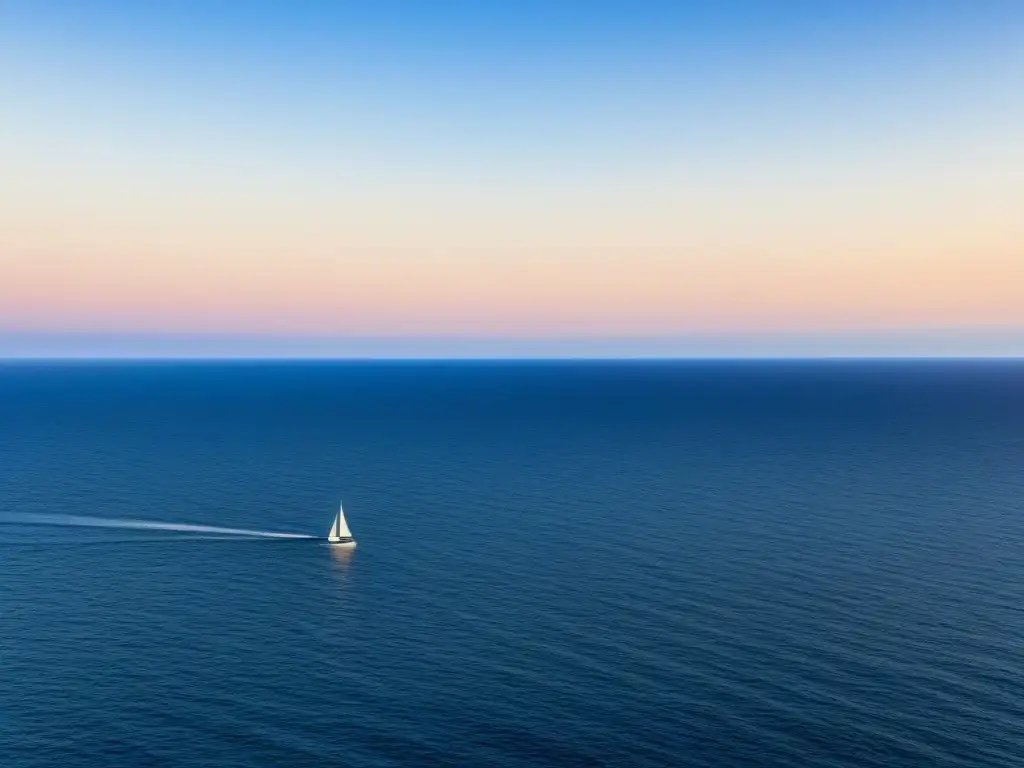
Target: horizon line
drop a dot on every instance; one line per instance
(497, 358)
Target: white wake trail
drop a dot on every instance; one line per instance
(144, 525)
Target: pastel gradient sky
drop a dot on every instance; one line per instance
(526, 178)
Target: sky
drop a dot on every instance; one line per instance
(557, 178)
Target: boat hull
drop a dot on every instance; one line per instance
(349, 542)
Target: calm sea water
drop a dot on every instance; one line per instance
(586, 564)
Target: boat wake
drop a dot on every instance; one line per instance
(143, 525)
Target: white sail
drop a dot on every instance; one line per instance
(340, 526)
(339, 529)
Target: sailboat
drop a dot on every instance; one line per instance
(340, 535)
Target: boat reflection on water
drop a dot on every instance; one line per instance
(342, 555)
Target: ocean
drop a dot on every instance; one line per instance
(758, 563)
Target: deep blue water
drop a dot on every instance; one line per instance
(559, 564)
